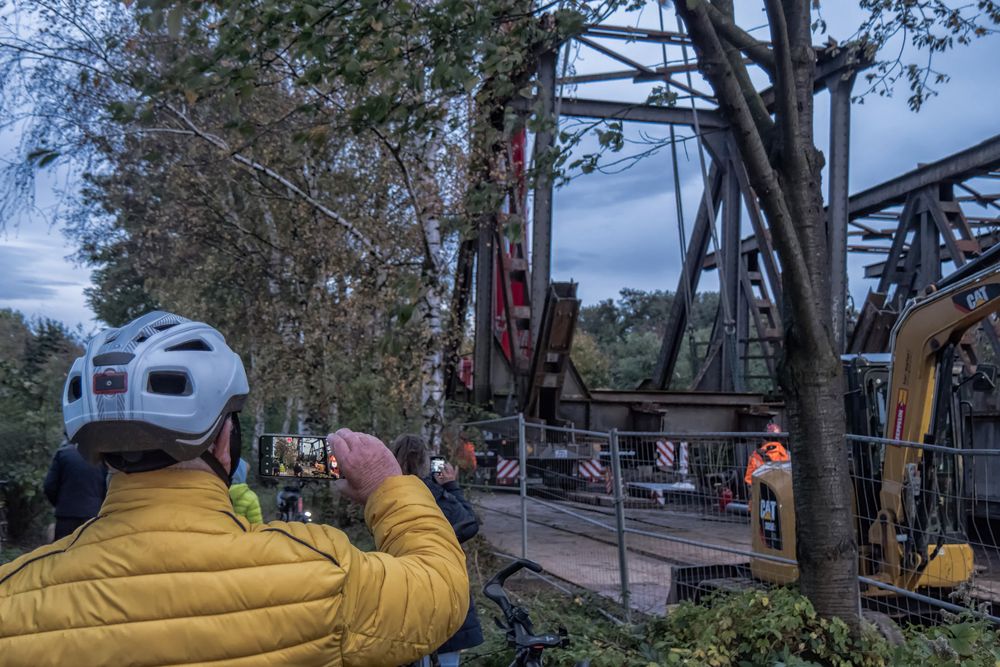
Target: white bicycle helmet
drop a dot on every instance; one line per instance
(152, 393)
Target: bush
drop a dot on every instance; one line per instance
(592, 635)
(969, 643)
(34, 360)
(776, 628)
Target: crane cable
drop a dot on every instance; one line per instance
(729, 324)
(681, 227)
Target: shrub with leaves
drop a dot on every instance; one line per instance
(34, 359)
(754, 628)
(776, 627)
(969, 643)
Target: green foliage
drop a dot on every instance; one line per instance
(118, 294)
(917, 30)
(969, 643)
(34, 359)
(591, 361)
(592, 635)
(776, 628)
(628, 333)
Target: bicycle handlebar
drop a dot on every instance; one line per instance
(503, 575)
(493, 589)
(519, 627)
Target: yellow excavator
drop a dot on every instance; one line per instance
(909, 516)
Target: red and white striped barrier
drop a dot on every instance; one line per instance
(591, 470)
(508, 470)
(609, 483)
(664, 455)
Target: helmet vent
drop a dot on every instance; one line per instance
(165, 326)
(74, 392)
(194, 345)
(169, 383)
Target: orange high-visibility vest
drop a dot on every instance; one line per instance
(769, 451)
(467, 457)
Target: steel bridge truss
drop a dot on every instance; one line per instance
(920, 215)
(939, 214)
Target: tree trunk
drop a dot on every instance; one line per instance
(427, 201)
(432, 363)
(286, 423)
(825, 538)
(784, 167)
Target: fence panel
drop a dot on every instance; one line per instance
(932, 507)
(674, 513)
(687, 509)
(571, 538)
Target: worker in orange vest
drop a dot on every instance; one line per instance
(466, 457)
(768, 452)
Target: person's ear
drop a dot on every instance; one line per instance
(221, 449)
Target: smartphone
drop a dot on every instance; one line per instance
(302, 456)
(437, 465)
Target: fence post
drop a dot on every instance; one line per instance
(618, 488)
(522, 462)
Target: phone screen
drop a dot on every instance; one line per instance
(437, 464)
(303, 456)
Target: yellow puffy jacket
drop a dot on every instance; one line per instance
(168, 575)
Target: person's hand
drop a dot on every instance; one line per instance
(446, 475)
(364, 463)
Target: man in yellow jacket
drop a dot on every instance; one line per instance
(167, 574)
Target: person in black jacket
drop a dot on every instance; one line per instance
(75, 488)
(414, 459)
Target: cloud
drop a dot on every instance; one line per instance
(16, 284)
(619, 230)
(39, 281)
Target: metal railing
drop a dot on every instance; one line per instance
(645, 518)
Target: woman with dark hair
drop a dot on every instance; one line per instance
(414, 459)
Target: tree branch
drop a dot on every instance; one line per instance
(759, 110)
(763, 178)
(784, 82)
(754, 49)
(329, 213)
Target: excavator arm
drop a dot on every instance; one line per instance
(909, 526)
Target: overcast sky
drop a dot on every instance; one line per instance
(613, 230)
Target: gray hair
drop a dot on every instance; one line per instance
(411, 452)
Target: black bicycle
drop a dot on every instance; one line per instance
(528, 646)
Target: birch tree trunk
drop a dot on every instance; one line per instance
(432, 363)
(420, 173)
(286, 423)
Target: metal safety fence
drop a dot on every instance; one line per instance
(647, 519)
(927, 528)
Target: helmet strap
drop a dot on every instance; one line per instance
(213, 463)
(235, 451)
